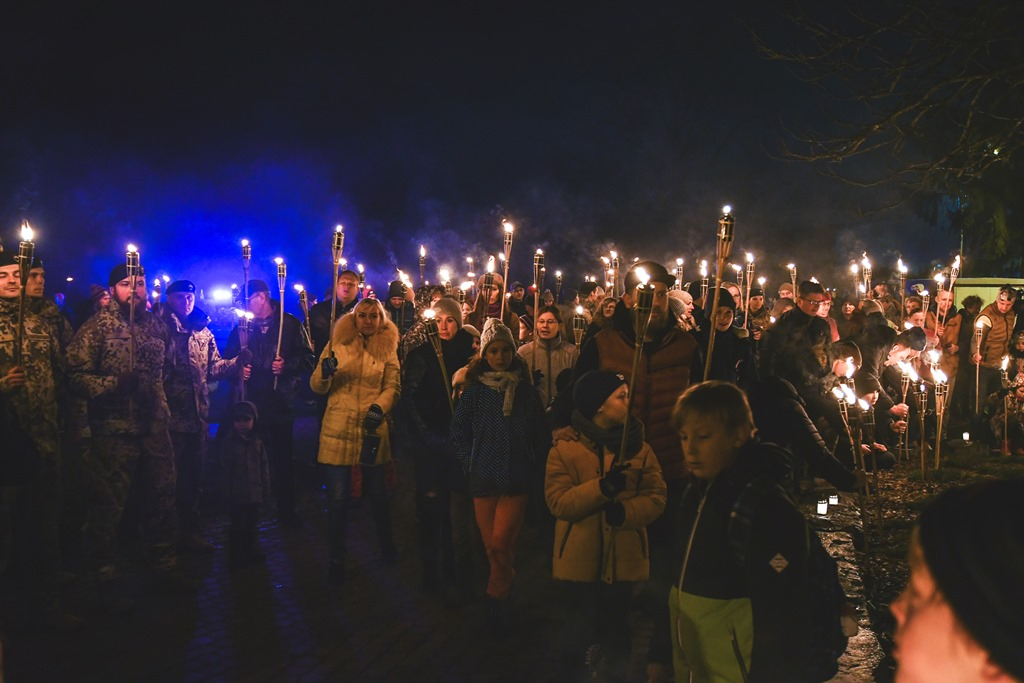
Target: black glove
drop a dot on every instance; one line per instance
(537, 377)
(127, 382)
(244, 357)
(374, 416)
(615, 513)
(328, 366)
(614, 481)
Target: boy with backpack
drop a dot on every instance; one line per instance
(755, 597)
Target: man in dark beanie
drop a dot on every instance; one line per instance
(195, 361)
(120, 371)
(759, 319)
(400, 307)
(346, 295)
(272, 381)
(959, 618)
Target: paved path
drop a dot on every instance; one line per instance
(280, 621)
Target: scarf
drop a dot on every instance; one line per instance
(611, 438)
(502, 382)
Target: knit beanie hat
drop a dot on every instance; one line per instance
(593, 389)
(120, 272)
(495, 330)
(972, 539)
(476, 333)
(96, 292)
(724, 299)
(446, 306)
(396, 288)
(756, 291)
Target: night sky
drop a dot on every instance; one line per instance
(589, 125)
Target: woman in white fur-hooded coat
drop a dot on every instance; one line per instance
(367, 374)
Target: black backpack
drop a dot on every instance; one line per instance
(825, 640)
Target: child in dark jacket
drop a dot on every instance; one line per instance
(732, 619)
(498, 432)
(246, 482)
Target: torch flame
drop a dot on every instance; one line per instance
(423, 251)
(558, 273)
(490, 264)
(850, 366)
(359, 267)
(509, 228)
(167, 278)
(703, 268)
(837, 392)
(612, 253)
(750, 257)
(339, 228)
(156, 282)
(854, 268)
(466, 286)
(26, 232)
(299, 288)
(445, 275)
(851, 397)
(132, 249)
(864, 405)
(940, 278)
(737, 267)
(579, 310)
(679, 261)
(1005, 363)
(791, 266)
(934, 355)
(727, 209)
(642, 276)
(245, 243)
(902, 267)
(279, 260)
(866, 262)
(939, 376)
(956, 262)
(761, 281)
(429, 313)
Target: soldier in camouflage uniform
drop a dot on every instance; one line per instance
(275, 404)
(128, 423)
(30, 465)
(194, 361)
(47, 308)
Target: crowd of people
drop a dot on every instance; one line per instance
(636, 456)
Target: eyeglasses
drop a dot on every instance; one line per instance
(813, 303)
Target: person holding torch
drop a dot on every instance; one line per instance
(275, 403)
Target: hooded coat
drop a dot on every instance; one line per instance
(367, 374)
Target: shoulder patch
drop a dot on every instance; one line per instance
(779, 563)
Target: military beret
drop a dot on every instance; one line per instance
(181, 286)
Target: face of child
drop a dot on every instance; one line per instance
(930, 644)
(708, 447)
(723, 318)
(499, 355)
(243, 425)
(612, 412)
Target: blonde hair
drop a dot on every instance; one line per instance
(720, 401)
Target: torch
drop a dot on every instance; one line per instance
(615, 272)
(642, 308)
(538, 269)
(941, 391)
(855, 272)
(558, 286)
(1004, 377)
(282, 273)
(679, 273)
(244, 320)
(579, 325)
(423, 265)
(867, 420)
(157, 286)
(362, 275)
(954, 272)
(792, 275)
(488, 286)
(446, 280)
(866, 272)
(26, 252)
(979, 329)
(304, 305)
(907, 377)
(703, 281)
(726, 226)
(246, 257)
(463, 288)
(750, 280)
(507, 250)
(472, 278)
(926, 299)
(337, 245)
(902, 268)
(846, 398)
(921, 397)
(133, 268)
(430, 327)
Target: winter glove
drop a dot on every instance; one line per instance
(374, 416)
(244, 357)
(614, 481)
(127, 382)
(537, 377)
(615, 513)
(328, 366)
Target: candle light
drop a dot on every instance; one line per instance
(833, 499)
(823, 506)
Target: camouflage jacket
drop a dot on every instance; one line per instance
(51, 315)
(194, 360)
(34, 405)
(100, 351)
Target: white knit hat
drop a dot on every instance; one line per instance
(495, 330)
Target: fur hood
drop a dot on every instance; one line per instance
(381, 345)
